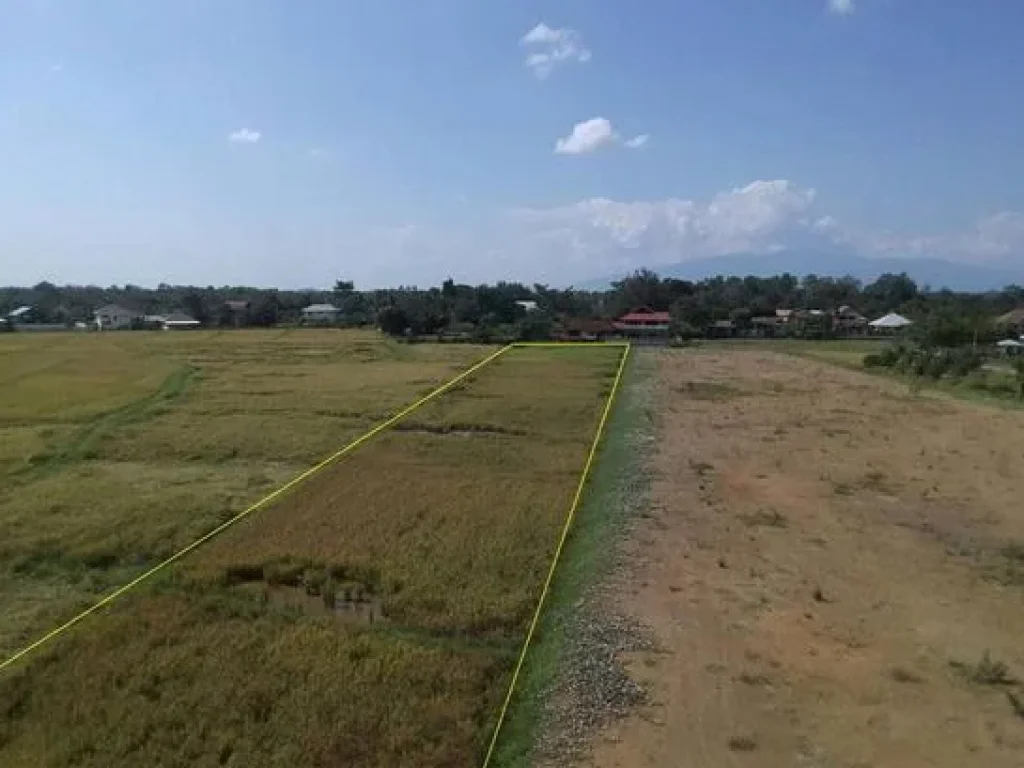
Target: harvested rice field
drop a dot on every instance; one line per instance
(369, 617)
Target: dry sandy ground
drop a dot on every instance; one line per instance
(825, 566)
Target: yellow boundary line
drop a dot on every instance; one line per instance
(584, 476)
(591, 344)
(120, 591)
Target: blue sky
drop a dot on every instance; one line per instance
(291, 143)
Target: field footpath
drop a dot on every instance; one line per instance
(350, 447)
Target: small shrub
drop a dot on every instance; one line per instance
(770, 518)
(754, 679)
(936, 364)
(987, 671)
(743, 743)
(965, 361)
(313, 580)
(902, 675)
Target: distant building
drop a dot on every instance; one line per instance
(320, 313)
(22, 315)
(766, 326)
(644, 322)
(153, 322)
(114, 318)
(721, 329)
(890, 323)
(1012, 320)
(849, 321)
(585, 329)
(529, 306)
(179, 321)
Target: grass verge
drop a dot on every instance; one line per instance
(617, 479)
(991, 386)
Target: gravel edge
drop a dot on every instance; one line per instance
(592, 688)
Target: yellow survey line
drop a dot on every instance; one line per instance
(584, 475)
(120, 591)
(616, 344)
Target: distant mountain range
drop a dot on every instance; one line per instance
(936, 273)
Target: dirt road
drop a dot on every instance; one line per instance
(832, 570)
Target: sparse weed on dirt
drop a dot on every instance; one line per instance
(986, 671)
(708, 390)
(766, 518)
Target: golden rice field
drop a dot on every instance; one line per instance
(370, 617)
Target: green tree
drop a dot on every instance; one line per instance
(889, 292)
(641, 289)
(193, 303)
(535, 326)
(393, 321)
(264, 311)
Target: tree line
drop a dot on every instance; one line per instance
(483, 310)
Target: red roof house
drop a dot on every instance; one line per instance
(642, 319)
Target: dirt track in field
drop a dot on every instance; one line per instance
(826, 563)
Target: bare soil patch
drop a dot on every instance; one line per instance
(833, 572)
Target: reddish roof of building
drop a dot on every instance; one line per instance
(645, 316)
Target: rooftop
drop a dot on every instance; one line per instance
(180, 317)
(113, 309)
(645, 315)
(1013, 317)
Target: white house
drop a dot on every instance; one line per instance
(527, 305)
(179, 321)
(320, 313)
(112, 318)
(890, 322)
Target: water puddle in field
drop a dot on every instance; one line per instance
(366, 609)
(458, 429)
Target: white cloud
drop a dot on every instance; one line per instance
(590, 135)
(995, 239)
(586, 137)
(244, 136)
(842, 7)
(601, 236)
(551, 47)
